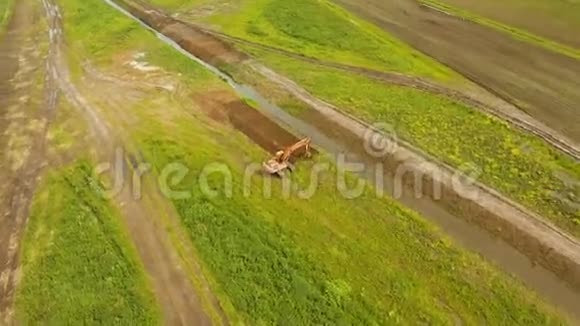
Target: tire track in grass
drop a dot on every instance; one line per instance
(179, 302)
(21, 183)
(78, 264)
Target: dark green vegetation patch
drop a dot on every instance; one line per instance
(78, 266)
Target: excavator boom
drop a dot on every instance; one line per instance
(280, 162)
(297, 146)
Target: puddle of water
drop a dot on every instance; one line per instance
(466, 234)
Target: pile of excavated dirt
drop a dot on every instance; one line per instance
(196, 41)
(225, 107)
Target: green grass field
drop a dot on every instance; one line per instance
(277, 260)
(5, 11)
(520, 166)
(558, 14)
(178, 4)
(77, 264)
(319, 29)
(295, 259)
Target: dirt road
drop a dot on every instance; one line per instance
(172, 286)
(27, 111)
(163, 244)
(541, 83)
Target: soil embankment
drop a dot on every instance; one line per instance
(26, 112)
(225, 107)
(197, 42)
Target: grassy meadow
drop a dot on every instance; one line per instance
(318, 29)
(277, 260)
(78, 265)
(319, 260)
(5, 11)
(511, 161)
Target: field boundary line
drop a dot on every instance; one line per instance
(515, 32)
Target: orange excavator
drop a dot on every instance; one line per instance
(281, 160)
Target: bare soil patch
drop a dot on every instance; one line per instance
(542, 83)
(557, 20)
(198, 42)
(147, 218)
(225, 107)
(176, 295)
(25, 119)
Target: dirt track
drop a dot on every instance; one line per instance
(178, 300)
(541, 83)
(173, 288)
(162, 243)
(21, 165)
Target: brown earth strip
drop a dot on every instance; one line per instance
(18, 189)
(542, 83)
(226, 107)
(99, 86)
(198, 42)
(178, 300)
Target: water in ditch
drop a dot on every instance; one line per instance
(464, 233)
